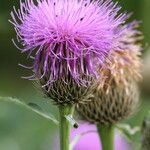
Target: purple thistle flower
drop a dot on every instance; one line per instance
(68, 39)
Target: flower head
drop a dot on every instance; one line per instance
(68, 39)
(116, 96)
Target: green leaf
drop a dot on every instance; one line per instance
(128, 131)
(31, 106)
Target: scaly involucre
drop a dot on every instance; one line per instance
(116, 96)
(68, 38)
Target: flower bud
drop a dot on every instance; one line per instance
(115, 94)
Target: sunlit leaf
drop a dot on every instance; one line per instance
(128, 131)
(31, 106)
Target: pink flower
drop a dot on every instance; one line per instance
(68, 38)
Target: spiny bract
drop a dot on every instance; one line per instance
(116, 96)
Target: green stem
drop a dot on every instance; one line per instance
(65, 126)
(106, 134)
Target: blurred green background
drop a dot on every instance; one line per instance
(21, 129)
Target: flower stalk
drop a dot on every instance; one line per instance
(65, 126)
(106, 134)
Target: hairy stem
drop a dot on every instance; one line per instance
(65, 126)
(106, 134)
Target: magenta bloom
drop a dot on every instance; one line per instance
(68, 38)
